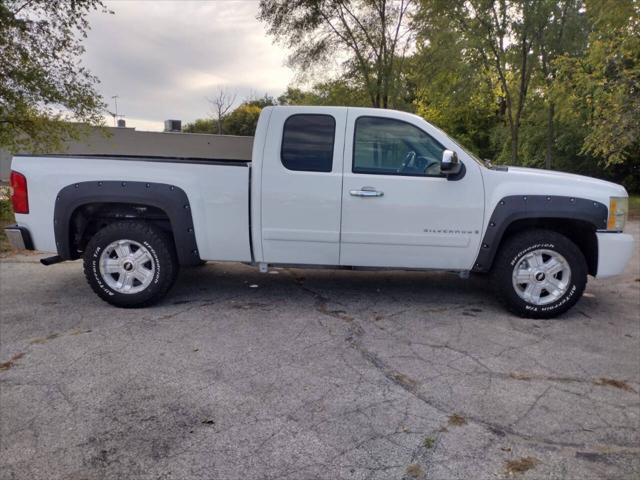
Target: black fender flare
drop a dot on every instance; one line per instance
(524, 207)
(168, 198)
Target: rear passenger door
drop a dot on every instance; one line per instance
(302, 186)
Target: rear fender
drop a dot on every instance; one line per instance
(168, 198)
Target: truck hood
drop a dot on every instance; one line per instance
(539, 174)
(533, 181)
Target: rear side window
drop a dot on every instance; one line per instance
(307, 143)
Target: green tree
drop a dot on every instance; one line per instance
(562, 33)
(243, 120)
(333, 92)
(201, 125)
(561, 29)
(453, 93)
(371, 37)
(264, 101)
(603, 86)
(42, 83)
(504, 40)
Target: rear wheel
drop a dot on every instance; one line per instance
(130, 264)
(539, 274)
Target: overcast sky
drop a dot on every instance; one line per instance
(163, 58)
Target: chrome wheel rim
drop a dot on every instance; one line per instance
(541, 277)
(127, 266)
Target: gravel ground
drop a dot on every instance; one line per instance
(314, 374)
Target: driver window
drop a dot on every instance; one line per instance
(385, 146)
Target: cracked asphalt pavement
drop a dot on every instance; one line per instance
(314, 374)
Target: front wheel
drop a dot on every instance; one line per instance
(130, 264)
(539, 274)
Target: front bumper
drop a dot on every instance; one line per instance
(19, 237)
(614, 252)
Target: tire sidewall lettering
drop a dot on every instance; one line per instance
(95, 269)
(522, 253)
(156, 261)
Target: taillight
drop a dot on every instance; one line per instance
(19, 195)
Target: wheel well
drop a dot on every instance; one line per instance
(88, 219)
(582, 233)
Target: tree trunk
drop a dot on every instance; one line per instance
(514, 144)
(375, 103)
(550, 136)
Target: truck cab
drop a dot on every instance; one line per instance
(363, 187)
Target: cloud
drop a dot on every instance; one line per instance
(164, 58)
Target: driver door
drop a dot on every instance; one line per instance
(398, 209)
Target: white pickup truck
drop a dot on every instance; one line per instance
(330, 186)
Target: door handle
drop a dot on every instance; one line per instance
(366, 192)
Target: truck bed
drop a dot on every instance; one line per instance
(217, 191)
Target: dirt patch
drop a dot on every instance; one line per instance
(520, 376)
(550, 378)
(11, 362)
(251, 306)
(415, 471)
(520, 465)
(80, 332)
(52, 336)
(404, 380)
(611, 382)
(40, 341)
(339, 314)
(602, 381)
(456, 420)
(593, 457)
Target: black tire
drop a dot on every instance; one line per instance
(159, 246)
(510, 255)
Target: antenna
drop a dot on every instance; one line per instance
(115, 114)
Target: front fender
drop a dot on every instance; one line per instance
(520, 207)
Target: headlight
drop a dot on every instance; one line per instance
(618, 209)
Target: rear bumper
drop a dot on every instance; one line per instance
(614, 252)
(19, 237)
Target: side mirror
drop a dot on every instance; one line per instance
(450, 164)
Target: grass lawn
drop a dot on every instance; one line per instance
(6, 217)
(634, 206)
